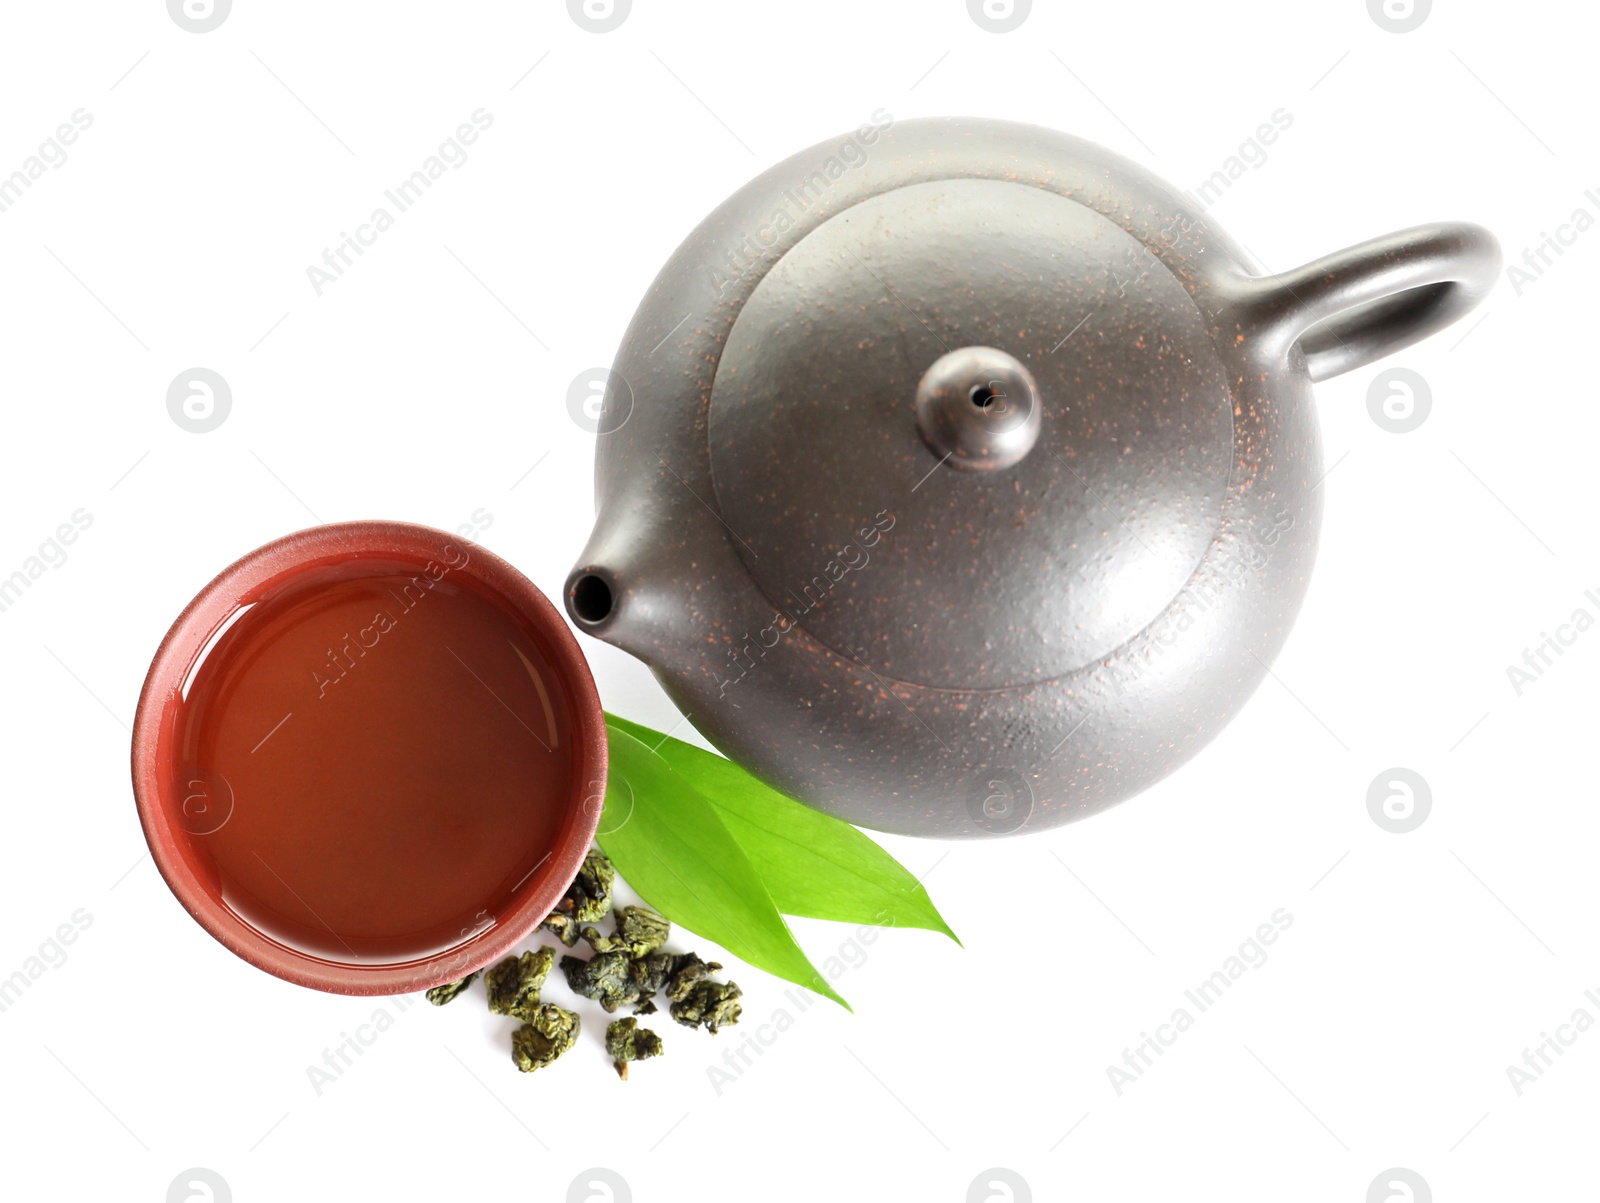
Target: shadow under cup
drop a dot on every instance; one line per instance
(369, 757)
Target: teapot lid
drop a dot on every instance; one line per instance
(971, 434)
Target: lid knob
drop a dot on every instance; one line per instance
(978, 408)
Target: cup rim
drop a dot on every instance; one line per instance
(187, 639)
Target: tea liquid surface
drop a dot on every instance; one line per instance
(375, 757)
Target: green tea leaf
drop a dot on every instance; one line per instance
(672, 846)
(813, 864)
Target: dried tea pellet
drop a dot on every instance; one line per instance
(626, 1041)
(513, 985)
(562, 927)
(686, 971)
(550, 1032)
(640, 931)
(587, 899)
(708, 1004)
(440, 995)
(652, 973)
(607, 977)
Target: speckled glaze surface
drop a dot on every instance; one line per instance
(968, 483)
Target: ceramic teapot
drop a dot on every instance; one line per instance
(957, 477)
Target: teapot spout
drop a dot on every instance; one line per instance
(616, 592)
(591, 598)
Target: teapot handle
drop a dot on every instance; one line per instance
(1360, 304)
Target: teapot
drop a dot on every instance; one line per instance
(958, 477)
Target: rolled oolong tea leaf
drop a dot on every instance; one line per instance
(607, 978)
(562, 927)
(709, 1005)
(673, 972)
(686, 971)
(513, 984)
(627, 1041)
(440, 995)
(587, 899)
(640, 931)
(549, 1032)
(652, 973)
(590, 891)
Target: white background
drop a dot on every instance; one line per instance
(426, 384)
